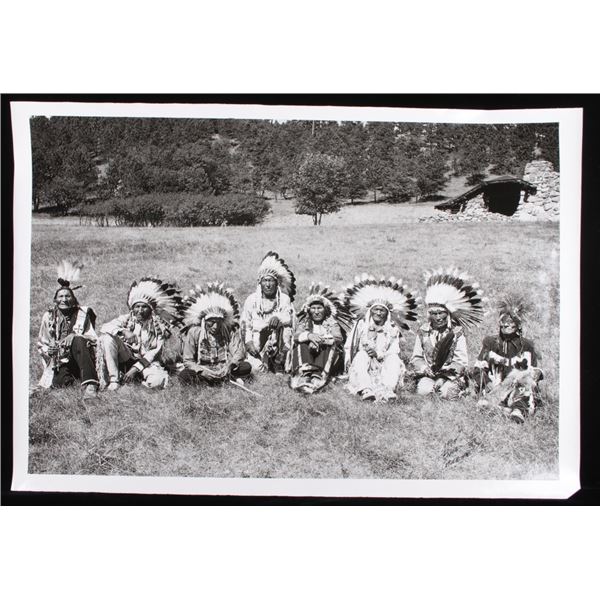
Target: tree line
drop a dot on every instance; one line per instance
(84, 161)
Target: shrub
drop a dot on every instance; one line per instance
(178, 210)
(98, 213)
(227, 209)
(243, 209)
(138, 211)
(475, 179)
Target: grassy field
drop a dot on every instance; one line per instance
(228, 433)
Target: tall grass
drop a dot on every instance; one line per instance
(227, 432)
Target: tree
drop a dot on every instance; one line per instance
(318, 185)
(355, 185)
(65, 193)
(535, 141)
(220, 156)
(399, 185)
(62, 164)
(430, 173)
(474, 153)
(502, 155)
(547, 141)
(79, 166)
(379, 154)
(353, 144)
(45, 166)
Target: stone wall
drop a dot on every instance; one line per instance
(544, 205)
(473, 210)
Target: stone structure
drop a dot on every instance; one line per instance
(545, 204)
(474, 210)
(534, 198)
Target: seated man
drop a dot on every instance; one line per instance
(132, 343)
(373, 348)
(506, 369)
(318, 340)
(67, 338)
(268, 314)
(440, 353)
(213, 350)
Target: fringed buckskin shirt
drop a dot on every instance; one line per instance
(258, 311)
(384, 338)
(148, 340)
(56, 327)
(203, 348)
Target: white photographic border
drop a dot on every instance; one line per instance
(567, 483)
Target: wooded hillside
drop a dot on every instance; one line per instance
(90, 159)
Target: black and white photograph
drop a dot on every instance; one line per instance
(296, 300)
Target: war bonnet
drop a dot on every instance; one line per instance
(274, 266)
(368, 291)
(333, 304)
(162, 297)
(453, 291)
(214, 302)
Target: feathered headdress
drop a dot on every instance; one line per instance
(68, 273)
(334, 305)
(275, 267)
(163, 298)
(368, 291)
(515, 306)
(452, 289)
(216, 302)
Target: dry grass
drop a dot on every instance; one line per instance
(226, 432)
(361, 213)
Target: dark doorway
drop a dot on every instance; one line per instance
(502, 198)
